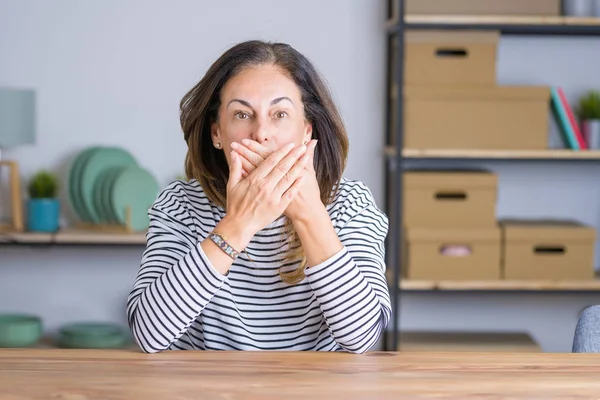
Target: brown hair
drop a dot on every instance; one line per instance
(199, 109)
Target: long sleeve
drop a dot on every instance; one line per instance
(175, 281)
(350, 286)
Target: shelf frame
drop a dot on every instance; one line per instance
(394, 175)
(396, 157)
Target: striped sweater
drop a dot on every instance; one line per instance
(179, 301)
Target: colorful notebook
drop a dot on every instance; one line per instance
(563, 121)
(572, 120)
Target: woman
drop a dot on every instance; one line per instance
(267, 247)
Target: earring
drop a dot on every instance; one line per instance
(218, 145)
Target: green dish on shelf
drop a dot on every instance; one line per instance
(74, 191)
(136, 188)
(98, 162)
(19, 330)
(107, 194)
(102, 191)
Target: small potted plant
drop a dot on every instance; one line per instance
(43, 207)
(589, 117)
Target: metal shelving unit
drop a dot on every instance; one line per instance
(394, 122)
(396, 155)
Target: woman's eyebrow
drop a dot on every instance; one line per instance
(273, 102)
(243, 102)
(279, 99)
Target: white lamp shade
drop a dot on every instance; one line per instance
(17, 117)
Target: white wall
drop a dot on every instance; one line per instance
(113, 72)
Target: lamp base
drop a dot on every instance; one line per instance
(6, 228)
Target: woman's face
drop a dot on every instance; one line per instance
(260, 103)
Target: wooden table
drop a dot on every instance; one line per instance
(102, 374)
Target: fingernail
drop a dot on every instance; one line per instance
(246, 141)
(234, 145)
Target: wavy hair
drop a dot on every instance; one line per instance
(199, 109)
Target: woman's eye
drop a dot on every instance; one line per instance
(280, 114)
(242, 115)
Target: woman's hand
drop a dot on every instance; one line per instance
(308, 198)
(260, 198)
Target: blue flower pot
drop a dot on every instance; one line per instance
(43, 215)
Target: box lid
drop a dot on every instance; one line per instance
(478, 92)
(448, 37)
(453, 235)
(535, 230)
(450, 179)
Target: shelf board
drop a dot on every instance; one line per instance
(550, 154)
(73, 237)
(518, 25)
(423, 341)
(502, 285)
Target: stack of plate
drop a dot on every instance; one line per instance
(104, 181)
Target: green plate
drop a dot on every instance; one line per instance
(88, 342)
(136, 188)
(90, 329)
(107, 194)
(102, 194)
(99, 161)
(91, 335)
(98, 206)
(74, 191)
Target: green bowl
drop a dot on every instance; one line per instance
(91, 336)
(19, 330)
(90, 329)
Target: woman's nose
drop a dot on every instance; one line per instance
(262, 132)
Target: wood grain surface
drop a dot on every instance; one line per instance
(107, 374)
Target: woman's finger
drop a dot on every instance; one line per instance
(249, 155)
(235, 170)
(291, 176)
(257, 148)
(284, 168)
(291, 193)
(272, 162)
(247, 166)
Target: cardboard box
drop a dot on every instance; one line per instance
(468, 117)
(450, 57)
(452, 254)
(547, 250)
(483, 7)
(436, 199)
